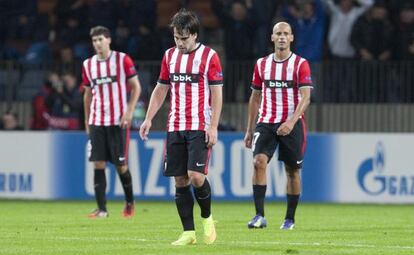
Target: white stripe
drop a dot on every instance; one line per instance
(173, 88)
(114, 88)
(122, 81)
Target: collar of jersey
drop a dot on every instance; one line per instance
(283, 60)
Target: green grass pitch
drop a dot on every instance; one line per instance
(61, 227)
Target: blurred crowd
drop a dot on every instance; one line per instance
(369, 30)
(324, 29)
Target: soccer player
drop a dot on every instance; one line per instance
(281, 88)
(106, 78)
(193, 74)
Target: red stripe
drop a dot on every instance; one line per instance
(126, 148)
(273, 92)
(285, 102)
(304, 137)
(118, 81)
(207, 160)
(111, 101)
(188, 93)
(201, 88)
(262, 69)
(296, 79)
(177, 94)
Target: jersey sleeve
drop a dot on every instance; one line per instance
(256, 80)
(164, 77)
(129, 67)
(215, 73)
(305, 78)
(85, 81)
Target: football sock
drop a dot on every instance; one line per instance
(126, 181)
(292, 203)
(185, 203)
(259, 192)
(100, 188)
(203, 196)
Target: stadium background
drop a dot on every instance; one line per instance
(360, 122)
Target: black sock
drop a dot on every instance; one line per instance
(100, 188)
(185, 203)
(292, 203)
(203, 196)
(126, 181)
(259, 192)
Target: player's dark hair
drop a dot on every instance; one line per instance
(100, 30)
(185, 21)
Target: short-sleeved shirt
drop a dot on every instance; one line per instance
(108, 81)
(190, 76)
(279, 83)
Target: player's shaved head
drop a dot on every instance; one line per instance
(281, 25)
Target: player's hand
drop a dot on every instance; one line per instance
(285, 128)
(211, 136)
(144, 129)
(87, 126)
(126, 120)
(248, 139)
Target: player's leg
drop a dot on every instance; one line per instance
(176, 165)
(198, 158)
(264, 145)
(119, 142)
(98, 155)
(292, 148)
(292, 192)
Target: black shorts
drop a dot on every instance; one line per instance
(109, 143)
(292, 146)
(186, 150)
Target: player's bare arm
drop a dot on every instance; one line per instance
(216, 105)
(87, 98)
(156, 101)
(287, 126)
(135, 85)
(253, 108)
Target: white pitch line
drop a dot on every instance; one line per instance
(247, 242)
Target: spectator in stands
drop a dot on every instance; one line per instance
(343, 16)
(404, 49)
(9, 121)
(40, 112)
(238, 28)
(372, 35)
(263, 12)
(65, 103)
(307, 18)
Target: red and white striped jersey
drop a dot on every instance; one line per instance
(279, 83)
(108, 81)
(190, 76)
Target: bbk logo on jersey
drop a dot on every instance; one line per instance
(104, 80)
(183, 77)
(278, 84)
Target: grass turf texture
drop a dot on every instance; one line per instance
(35, 227)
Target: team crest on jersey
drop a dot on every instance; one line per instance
(183, 77)
(196, 64)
